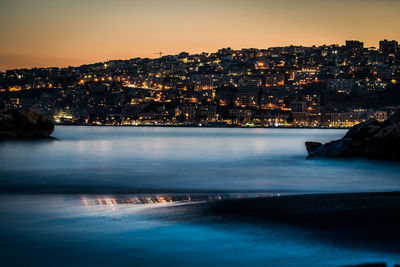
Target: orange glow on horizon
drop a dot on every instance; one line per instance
(47, 33)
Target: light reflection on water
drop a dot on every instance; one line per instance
(127, 183)
(144, 199)
(107, 160)
(63, 230)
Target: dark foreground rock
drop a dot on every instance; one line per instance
(369, 265)
(25, 124)
(370, 139)
(366, 221)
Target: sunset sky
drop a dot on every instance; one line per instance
(46, 33)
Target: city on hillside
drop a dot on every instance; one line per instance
(293, 86)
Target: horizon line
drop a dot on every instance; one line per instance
(194, 53)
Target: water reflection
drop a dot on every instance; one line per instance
(145, 199)
(101, 160)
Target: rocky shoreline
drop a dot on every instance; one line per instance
(371, 139)
(24, 124)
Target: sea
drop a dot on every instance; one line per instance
(107, 196)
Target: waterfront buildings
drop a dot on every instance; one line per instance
(318, 86)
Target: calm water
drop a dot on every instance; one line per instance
(61, 202)
(131, 160)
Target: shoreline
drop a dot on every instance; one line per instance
(250, 224)
(360, 220)
(367, 222)
(203, 126)
(309, 204)
(322, 212)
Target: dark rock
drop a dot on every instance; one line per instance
(370, 139)
(365, 129)
(2, 104)
(395, 118)
(368, 265)
(313, 146)
(344, 148)
(390, 131)
(26, 124)
(387, 149)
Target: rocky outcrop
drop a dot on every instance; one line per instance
(369, 265)
(370, 139)
(25, 124)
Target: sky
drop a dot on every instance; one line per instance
(59, 33)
